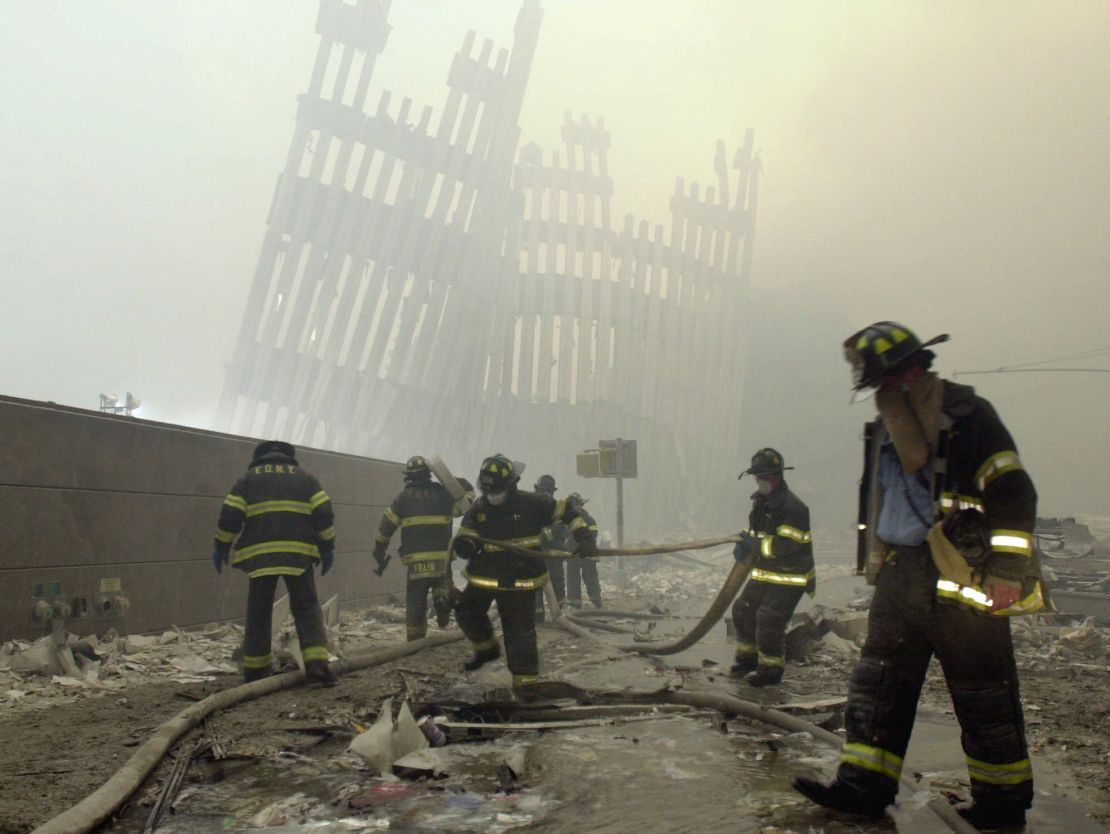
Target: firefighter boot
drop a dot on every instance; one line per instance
(987, 816)
(318, 672)
(765, 676)
(482, 657)
(840, 797)
(744, 664)
(252, 675)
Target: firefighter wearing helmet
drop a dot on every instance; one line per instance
(508, 515)
(581, 570)
(423, 511)
(557, 540)
(282, 526)
(946, 536)
(779, 543)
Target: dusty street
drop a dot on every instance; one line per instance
(62, 742)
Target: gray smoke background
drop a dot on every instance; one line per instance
(944, 164)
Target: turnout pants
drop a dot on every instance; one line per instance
(418, 586)
(761, 614)
(518, 625)
(581, 570)
(906, 627)
(305, 608)
(558, 580)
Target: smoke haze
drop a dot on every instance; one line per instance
(942, 164)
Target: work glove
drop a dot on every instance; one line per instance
(380, 557)
(466, 547)
(327, 559)
(743, 550)
(587, 547)
(219, 558)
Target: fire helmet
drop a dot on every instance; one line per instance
(497, 474)
(766, 462)
(270, 447)
(417, 469)
(545, 483)
(883, 348)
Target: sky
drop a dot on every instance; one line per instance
(944, 164)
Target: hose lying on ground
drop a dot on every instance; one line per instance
(724, 598)
(95, 808)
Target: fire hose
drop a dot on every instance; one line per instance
(724, 598)
(98, 806)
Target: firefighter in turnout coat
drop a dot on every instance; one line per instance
(507, 514)
(423, 511)
(779, 534)
(284, 524)
(947, 513)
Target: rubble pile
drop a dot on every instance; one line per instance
(34, 674)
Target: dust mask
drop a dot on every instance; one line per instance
(497, 498)
(764, 487)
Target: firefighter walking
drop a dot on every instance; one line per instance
(779, 536)
(285, 527)
(507, 514)
(423, 511)
(947, 513)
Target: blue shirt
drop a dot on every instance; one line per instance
(899, 522)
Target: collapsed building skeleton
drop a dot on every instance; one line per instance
(434, 284)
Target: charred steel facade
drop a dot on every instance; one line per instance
(434, 285)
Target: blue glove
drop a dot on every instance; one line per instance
(327, 558)
(466, 547)
(744, 547)
(219, 558)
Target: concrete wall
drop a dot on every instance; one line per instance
(98, 506)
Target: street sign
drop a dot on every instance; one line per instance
(612, 459)
(618, 457)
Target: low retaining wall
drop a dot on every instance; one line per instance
(115, 516)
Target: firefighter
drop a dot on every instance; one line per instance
(779, 534)
(557, 540)
(423, 510)
(937, 453)
(284, 524)
(505, 513)
(581, 570)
